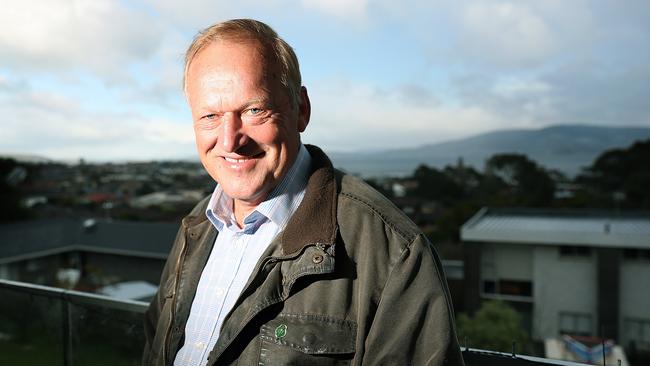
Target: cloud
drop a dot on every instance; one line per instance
(506, 32)
(501, 35)
(519, 101)
(575, 93)
(192, 15)
(595, 94)
(532, 63)
(160, 82)
(54, 126)
(98, 36)
(345, 9)
(348, 116)
(101, 79)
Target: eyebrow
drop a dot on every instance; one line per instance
(265, 101)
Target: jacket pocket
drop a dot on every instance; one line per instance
(307, 339)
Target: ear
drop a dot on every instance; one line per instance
(304, 110)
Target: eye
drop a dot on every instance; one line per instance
(209, 116)
(255, 111)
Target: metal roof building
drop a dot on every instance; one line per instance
(548, 227)
(581, 272)
(37, 238)
(106, 251)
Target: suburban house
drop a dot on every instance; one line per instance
(84, 254)
(582, 273)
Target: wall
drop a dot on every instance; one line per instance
(634, 298)
(561, 284)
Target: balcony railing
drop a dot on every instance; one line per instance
(42, 325)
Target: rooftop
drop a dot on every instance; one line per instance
(32, 239)
(559, 227)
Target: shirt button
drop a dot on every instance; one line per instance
(199, 345)
(317, 258)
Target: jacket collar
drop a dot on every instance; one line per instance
(314, 221)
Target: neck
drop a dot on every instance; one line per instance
(242, 209)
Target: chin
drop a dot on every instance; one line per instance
(241, 195)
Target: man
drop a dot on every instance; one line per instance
(289, 261)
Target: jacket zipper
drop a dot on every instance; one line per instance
(181, 258)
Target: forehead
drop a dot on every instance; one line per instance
(224, 55)
(225, 72)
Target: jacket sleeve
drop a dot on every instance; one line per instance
(414, 322)
(152, 315)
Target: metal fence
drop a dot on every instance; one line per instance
(45, 325)
(42, 325)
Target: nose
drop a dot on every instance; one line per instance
(232, 136)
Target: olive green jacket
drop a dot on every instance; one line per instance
(350, 281)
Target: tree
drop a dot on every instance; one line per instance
(11, 175)
(621, 171)
(447, 225)
(435, 185)
(494, 327)
(530, 184)
(466, 177)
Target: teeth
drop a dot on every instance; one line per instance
(231, 160)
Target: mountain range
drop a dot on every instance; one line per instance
(567, 148)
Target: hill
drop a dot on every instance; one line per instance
(567, 148)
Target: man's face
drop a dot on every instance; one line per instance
(247, 132)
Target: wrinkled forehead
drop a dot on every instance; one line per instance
(235, 51)
(228, 72)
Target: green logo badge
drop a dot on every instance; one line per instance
(281, 331)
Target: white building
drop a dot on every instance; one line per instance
(580, 272)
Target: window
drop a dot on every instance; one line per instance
(575, 251)
(517, 288)
(636, 254)
(575, 323)
(508, 287)
(638, 331)
(489, 287)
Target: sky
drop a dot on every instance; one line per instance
(101, 79)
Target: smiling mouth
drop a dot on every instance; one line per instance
(242, 159)
(231, 160)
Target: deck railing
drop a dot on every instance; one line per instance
(42, 325)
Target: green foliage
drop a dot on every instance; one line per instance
(509, 180)
(449, 222)
(528, 183)
(618, 178)
(625, 171)
(494, 327)
(10, 196)
(434, 184)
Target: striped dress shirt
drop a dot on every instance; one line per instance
(234, 255)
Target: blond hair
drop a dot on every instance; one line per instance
(274, 48)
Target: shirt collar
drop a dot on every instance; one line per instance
(278, 207)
